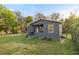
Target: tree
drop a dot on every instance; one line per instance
(75, 35)
(55, 16)
(18, 15)
(28, 20)
(67, 24)
(8, 18)
(20, 20)
(75, 24)
(40, 16)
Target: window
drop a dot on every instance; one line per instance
(39, 28)
(50, 28)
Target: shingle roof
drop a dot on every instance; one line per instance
(45, 20)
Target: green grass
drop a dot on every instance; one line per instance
(21, 45)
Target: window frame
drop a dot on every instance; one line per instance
(50, 28)
(39, 28)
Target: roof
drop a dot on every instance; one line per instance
(46, 20)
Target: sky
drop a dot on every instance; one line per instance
(46, 9)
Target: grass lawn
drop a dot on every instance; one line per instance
(21, 45)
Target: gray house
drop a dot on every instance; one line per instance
(45, 28)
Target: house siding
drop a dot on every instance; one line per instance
(55, 35)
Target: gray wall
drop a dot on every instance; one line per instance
(55, 35)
